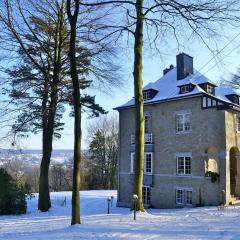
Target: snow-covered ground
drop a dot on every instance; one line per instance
(186, 223)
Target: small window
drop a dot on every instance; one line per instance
(183, 122)
(183, 165)
(146, 95)
(184, 196)
(188, 196)
(210, 89)
(209, 102)
(132, 162)
(147, 124)
(204, 102)
(185, 89)
(236, 99)
(179, 196)
(146, 195)
(238, 123)
(148, 163)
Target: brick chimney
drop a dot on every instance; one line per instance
(184, 65)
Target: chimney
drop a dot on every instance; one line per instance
(166, 70)
(184, 65)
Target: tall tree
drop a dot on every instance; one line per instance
(40, 80)
(35, 83)
(72, 17)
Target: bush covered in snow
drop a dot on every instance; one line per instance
(12, 196)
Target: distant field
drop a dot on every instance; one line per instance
(186, 223)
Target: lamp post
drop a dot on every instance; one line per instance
(108, 201)
(112, 197)
(135, 201)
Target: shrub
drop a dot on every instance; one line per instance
(12, 196)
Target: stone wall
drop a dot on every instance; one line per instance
(207, 130)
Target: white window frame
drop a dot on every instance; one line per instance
(184, 156)
(147, 127)
(147, 196)
(145, 164)
(184, 117)
(146, 95)
(184, 200)
(132, 162)
(210, 89)
(237, 120)
(181, 202)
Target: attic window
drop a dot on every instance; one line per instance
(210, 89)
(149, 94)
(146, 95)
(185, 89)
(236, 99)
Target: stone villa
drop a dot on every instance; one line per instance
(192, 141)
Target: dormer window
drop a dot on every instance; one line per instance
(146, 95)
(186, 88)
(149, 94)
(234, 98)
(210, 89)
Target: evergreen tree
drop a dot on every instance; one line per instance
(12, 196)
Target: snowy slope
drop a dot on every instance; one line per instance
(187, 223)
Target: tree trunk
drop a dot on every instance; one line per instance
(44, 202)
(77, 113)
(139, 116)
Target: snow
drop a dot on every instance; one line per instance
(168, 88)
(185, 223)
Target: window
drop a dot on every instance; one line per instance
(179, 196)
(236, 99)
(147, 123)
(184, 165)
(148, 163)
(146, 191)
(183, 123)
(204, 102)
(210, 89)
(146, 95)
(184, 196)
(185, 89)
(132, 162)
(188, 195)
(238, 123)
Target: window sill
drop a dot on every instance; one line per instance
(184, 175)
(184, 132)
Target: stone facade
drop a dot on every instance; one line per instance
(211, 137)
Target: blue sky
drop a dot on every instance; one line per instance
(223, 65)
